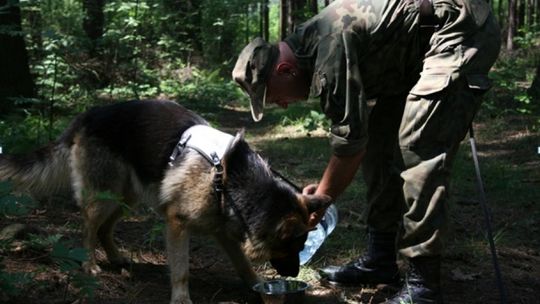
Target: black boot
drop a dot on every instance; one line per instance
(378, 265)
(422, 283)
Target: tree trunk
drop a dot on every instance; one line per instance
(511, 25)
(246, 31)
(290, 16)
(93, 22)
(500, 14)
(260, 12)
(313, 7)
(537, 10)
(530, 9)
(283, 17)
(521, 13)
(296, 13)
(265, 20)
(15, 78)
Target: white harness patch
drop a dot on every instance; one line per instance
(209, 142)
(212, 144)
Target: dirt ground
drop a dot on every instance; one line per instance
(213, 280)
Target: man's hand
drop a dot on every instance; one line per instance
(315, 217)
(310, 189)
(336, 177)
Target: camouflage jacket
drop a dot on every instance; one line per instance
(363, 49)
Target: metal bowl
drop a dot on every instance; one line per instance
(281, 291)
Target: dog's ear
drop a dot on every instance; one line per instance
(315, 202)
(233, 145)
(292, 227)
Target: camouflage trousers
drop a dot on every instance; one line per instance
(414, 138)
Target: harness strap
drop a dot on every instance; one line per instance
(219, 185)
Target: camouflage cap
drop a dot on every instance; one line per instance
(251, 72)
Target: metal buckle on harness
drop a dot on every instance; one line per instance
(178, 149)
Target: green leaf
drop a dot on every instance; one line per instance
(13, 284)
(68, 259)
(79, 254)
(15, 205)
(86, 283)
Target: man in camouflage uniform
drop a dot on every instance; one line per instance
(424, 65)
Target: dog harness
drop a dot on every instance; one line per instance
(209, 142)
(212, 144)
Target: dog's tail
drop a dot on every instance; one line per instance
(41, 173)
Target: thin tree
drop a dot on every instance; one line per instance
(290, 16)
(265, 20)
(500, 13)
(511, 29)
(246, 27)
(313, 7)
(15, 78)
(296, 14)
(521, 4)
(93, 23)
(537, 11)
(530, 11)
(283, 18)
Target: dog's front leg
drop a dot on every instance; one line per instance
(178, 259)
(239, 260)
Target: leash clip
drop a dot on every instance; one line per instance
(178, 149)
(218, 177)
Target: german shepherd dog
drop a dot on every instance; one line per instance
(125, 149)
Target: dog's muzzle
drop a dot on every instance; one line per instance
(288, 266)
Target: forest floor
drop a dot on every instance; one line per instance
(511, 171)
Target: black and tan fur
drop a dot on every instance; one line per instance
(124, 149)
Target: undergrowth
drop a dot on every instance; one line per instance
(14, 239)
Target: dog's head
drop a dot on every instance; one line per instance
(292, 231)
(275, 212)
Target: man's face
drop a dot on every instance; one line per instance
(285, 87)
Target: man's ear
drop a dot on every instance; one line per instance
(316, 202)
(286, 67)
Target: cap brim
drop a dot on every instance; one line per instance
(257, 105)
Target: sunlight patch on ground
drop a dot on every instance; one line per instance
(281, 132)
